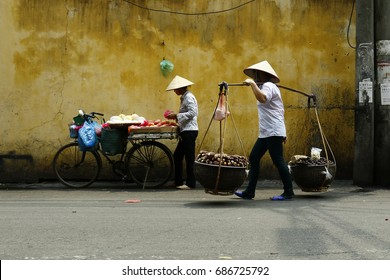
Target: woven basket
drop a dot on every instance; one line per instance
(230, 178)
(311, 178)
(113, 141)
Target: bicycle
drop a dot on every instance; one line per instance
(148, 163)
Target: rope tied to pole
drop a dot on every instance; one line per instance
(223, 95)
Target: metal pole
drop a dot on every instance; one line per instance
(363, 165)
(310, 96)
(382, 94)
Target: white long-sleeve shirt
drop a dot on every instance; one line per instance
(188, 112)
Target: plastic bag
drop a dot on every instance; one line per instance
(166, 67)
(220, 111)
(98, 128)
(315, 153)
(87, 136)
(328, 175)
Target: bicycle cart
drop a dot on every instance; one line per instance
(148, 162)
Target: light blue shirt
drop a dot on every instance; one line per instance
(271, 113)
(187, 117)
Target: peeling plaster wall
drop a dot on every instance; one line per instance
(59, 56)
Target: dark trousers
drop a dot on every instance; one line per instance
(274, 145)
(185, 149)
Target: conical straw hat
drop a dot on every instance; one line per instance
(263, 66)
(178, 82)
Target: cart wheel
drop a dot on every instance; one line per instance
(75, 168)
(149, 164)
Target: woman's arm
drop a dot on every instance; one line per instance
(259, 94)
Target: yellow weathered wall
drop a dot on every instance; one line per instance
(59, 56)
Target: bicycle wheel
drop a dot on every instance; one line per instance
(75, 168)
(149, 164)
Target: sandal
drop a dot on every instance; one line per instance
(281, 198)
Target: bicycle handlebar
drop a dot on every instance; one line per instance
(96, 113)
(91, 115)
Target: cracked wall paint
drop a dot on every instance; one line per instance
(59, 56)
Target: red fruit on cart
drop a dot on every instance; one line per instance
(167, 113)
(144, 123)
(162, 123)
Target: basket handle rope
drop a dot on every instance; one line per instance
(222, 130)
(326, 145)
(325, 142)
